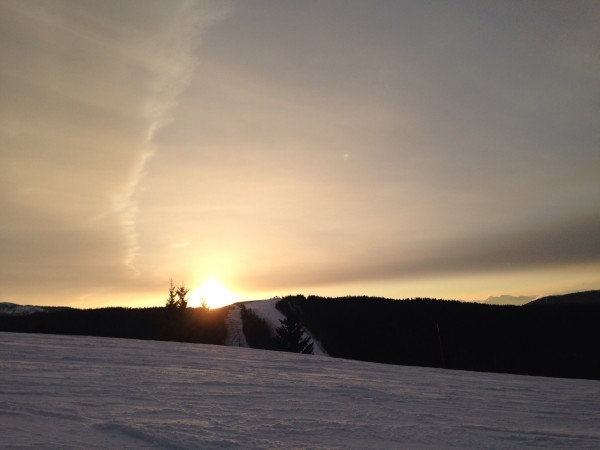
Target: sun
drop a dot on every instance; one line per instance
(214, 293)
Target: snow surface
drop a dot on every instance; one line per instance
(235, 328)
(83, 392)
(268, 311)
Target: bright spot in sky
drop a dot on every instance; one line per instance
(214, 293)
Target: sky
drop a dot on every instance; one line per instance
(388, 148)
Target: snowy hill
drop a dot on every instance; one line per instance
(84, 392)
(266, 309)
(13, 309)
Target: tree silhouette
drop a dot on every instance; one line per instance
(291, 338)
(204, 304)
(172, 298)
(176, 298)
(181, 300)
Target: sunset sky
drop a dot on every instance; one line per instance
(389, 148)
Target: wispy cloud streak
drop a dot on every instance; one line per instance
(86, 85)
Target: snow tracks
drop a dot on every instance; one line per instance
(235, 329)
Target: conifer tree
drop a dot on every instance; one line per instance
(176, 298)
(172, 299)
(291, 338)
(181, 300)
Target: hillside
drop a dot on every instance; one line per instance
(576, 298)
(550, 341)
(540, 339)
(267, 310)
(95, 393)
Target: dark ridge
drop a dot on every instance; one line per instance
(576, 298)
(553, 341)
(189, 325)
(557, 336)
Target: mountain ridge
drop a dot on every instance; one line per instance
(575, 298)
(556, 340)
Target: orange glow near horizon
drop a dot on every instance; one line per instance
(214, 293)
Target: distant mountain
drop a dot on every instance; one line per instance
(13, 309)
(576, 298)
(508, 300)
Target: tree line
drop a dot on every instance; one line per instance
(549, 340)
(176, 321)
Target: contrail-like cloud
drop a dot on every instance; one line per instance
(85, 87)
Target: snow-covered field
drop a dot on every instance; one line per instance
(83, 392)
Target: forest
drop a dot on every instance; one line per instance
(557, 339)
(199, 325)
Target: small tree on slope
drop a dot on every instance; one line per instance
(291, 338)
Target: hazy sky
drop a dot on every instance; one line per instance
(393, 148)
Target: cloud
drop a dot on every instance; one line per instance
(85, 87)
(473, 139)
(509, 300)
(574, 241)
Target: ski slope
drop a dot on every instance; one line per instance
(83, 392)
(235, 329)
(269, 312)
